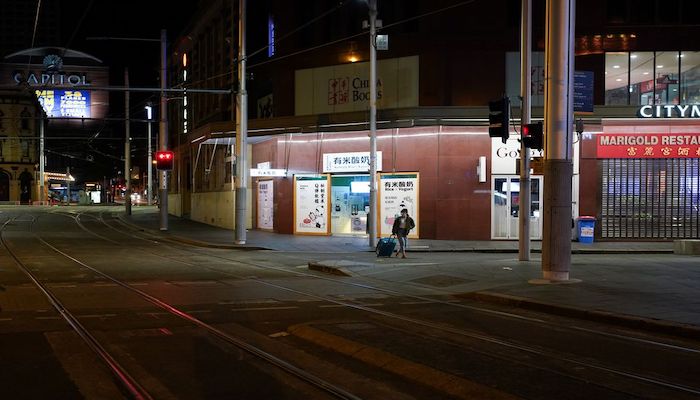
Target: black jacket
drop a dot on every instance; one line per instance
(397, 222)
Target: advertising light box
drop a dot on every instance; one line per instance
(65, 103)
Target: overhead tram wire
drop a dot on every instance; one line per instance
(293, 31)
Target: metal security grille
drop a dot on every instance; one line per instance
(651, 198)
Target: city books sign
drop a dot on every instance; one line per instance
(652, 145)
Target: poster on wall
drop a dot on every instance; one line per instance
(396, 192)
(265, 204)
(311, 195)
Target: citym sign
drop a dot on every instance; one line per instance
(670, 111)
(52, 74)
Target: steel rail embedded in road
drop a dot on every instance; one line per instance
(272, 359)
(126, 381)
(437, 326)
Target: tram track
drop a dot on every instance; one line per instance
(126, 382)
(425, 323)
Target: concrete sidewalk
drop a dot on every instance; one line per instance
(642, 285)
(211, 236)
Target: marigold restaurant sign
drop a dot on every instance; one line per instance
(650, 145)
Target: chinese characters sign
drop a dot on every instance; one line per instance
(396, 192)
(65, 103)
(349, 162)
(265, 204)
(311, 195)
(653, 145)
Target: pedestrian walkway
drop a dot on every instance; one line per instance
(637, 284)
(196, 232)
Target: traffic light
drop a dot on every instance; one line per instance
(532, 135)
(499, 118)
(164, 160)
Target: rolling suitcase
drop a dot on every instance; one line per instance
(386, 246)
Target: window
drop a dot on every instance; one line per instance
(616, 78)
(642, 78)
(690, 77)
(666, 74)
(25, 116)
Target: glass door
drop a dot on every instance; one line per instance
(505, 208)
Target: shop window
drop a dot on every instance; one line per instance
(666, 77)
(616, 78)
(641, 87)
(690, 77)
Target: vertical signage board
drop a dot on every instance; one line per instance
(266, 205)
(311, 205)
(398, 191)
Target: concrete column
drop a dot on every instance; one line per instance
(558, 166)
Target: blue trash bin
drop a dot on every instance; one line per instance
(586, 227)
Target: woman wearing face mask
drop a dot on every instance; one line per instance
(402, 226)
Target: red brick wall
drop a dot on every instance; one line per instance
(453, 204)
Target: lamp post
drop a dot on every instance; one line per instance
(127, 148)
(374, 217)
(241, 148)
(149, 116)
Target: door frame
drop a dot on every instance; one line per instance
(509, 179)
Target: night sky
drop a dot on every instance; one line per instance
(130, 18)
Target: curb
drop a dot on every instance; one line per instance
(624, 320)
(452, 385)
(316, 266)
(191, 242)
(536, 251)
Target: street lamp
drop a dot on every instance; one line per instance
(149, 116)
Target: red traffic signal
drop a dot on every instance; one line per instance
(164, 160)
(533, 135)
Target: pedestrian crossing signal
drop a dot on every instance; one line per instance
(164, 160)
(533, 135)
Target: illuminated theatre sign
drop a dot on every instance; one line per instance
(670, 111)
(58, 103)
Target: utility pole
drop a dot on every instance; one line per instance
(127, 148)
(68, 185)
(149, 187)
(373, 124)
(559, 113)
(42, 177)
(241, 130)
(163, 134)
(525, 93)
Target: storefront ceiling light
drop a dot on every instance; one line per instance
(616, 66)
(645, 73)
(633, 56)
(659, 66)
(618, 80)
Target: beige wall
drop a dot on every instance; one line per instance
(174, 205)
(217, 208)
(315, 93)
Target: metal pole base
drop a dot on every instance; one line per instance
(556, 237)
(240, 215)
(163, 198)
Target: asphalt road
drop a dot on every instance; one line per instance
(91, 308)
